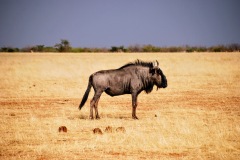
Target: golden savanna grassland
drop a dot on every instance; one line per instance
(196, 117)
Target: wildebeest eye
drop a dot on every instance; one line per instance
(152, 71)
(159, 71)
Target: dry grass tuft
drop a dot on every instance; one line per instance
(108, 129)
(121, 129)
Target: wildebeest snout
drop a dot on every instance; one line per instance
(164, 82)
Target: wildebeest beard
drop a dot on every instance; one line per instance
(147, 84)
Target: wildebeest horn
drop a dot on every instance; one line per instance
(157, 63)
(154, 64)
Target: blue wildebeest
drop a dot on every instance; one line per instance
(132, 78)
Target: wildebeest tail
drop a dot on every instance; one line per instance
(85, 97)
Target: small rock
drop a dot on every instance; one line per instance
(97, 131)
(155, 115)
(62, 129)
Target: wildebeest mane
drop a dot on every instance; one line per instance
(138, 63)
(147, 84)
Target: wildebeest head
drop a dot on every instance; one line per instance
(159, 79)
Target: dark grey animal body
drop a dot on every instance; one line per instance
(132, 78)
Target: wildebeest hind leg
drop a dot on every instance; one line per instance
(96, 109)
(94, 103)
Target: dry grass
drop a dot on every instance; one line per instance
(196, 117)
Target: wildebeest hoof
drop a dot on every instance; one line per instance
(91, 118)
(135, 117)
(98, 117)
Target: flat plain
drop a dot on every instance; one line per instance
(196, 117)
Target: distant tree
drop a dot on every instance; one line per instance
(175, 49)
(9, 49)
(218, 48)
(76, 50)
(49, 49)
(118, 49)
(15, 49)
(151, 48)
(121, 49)
(28, 49)
(113, 49)
(135, 48)
(4, 49)
(234, 47)
(64, 46)
(39, 48)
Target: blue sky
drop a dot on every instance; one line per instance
(106, 23)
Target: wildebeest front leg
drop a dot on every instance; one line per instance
(94, 103)
(134, 105)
